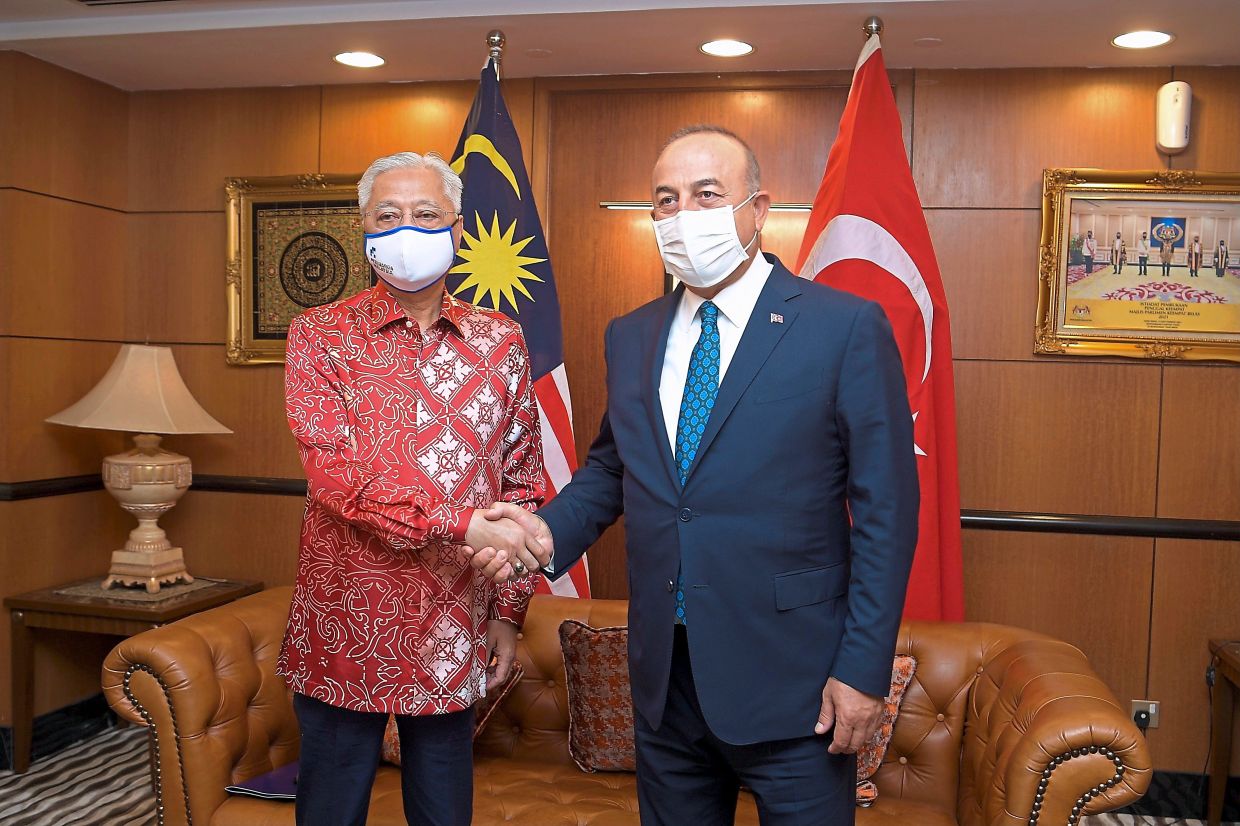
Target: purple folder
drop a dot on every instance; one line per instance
(277, 784)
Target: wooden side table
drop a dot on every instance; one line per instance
(1226, 658)
(95, 612)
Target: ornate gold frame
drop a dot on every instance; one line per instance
(1059, 188)
(245, 346)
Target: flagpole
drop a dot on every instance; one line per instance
(495, 48)
(873, 26)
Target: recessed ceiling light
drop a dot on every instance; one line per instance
(726, 48)
(928, 42)
(359, 60)
(1142, 40)
(538, 53)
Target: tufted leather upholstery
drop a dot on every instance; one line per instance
(998, 724)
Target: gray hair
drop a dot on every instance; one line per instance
(753, 175)
(452, 185)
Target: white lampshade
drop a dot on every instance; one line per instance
(142, 392)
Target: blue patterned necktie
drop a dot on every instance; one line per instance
(701, 388)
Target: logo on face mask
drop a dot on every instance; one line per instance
(700, 246)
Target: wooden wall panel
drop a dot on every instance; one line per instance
(238, 535)
(51, 541)
(66, 135)
(184, 144)
(982, 137)
(1214, 135)
(362, 123)
(46, 376)
(178, 262)
(1199, 451)
(1092, 591)
(1195, 587)
(62, 289)
(249, 401)
(8, 121)
(989, 261)
(1058, 436)
(6, 393)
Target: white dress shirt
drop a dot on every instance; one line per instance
(735, 302)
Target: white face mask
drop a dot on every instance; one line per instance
(411, 258)
(700, 246)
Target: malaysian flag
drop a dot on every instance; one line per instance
(503, 264)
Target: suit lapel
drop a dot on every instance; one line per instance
(761, 335)
(656, 346)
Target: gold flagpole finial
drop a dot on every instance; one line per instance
(495, 47)
(873, 26)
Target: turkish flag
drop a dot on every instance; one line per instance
(867, 235)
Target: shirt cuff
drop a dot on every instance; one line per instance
(454, 523)
(508, 612)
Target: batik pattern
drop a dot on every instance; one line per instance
(402, 433)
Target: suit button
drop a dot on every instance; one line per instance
(671, 586)
(686, 515)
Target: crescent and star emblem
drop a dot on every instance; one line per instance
(853, 237)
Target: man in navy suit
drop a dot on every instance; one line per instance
(758, 440)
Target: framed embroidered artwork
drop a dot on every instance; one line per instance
(293, 243)
(1139, 264)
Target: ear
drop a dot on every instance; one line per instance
(458, 227)
(761, 208)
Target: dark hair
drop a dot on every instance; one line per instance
(753, 175)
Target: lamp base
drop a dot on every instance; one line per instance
(147, 481)
(149, 568)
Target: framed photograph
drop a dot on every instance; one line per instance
(1140, 264)
(293, 243)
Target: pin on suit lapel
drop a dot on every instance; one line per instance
(771, 319)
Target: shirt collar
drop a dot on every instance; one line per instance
(382, 309)
(735, 301)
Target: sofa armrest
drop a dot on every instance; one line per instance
(1046, 741)
(207, 690)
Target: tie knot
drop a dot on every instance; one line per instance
(710, 314)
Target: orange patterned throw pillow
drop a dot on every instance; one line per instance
(600, 706)
(870, 756)
(483, 709)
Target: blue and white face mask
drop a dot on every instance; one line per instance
(410, 258)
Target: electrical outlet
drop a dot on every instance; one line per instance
(1148, 706)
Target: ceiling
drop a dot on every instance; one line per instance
(175, 44)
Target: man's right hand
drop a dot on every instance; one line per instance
(507, 536)
(531, 522)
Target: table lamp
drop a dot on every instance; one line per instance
(143, 393)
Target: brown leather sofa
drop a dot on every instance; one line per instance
(1000, 726)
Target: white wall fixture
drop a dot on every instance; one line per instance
(1174, 109)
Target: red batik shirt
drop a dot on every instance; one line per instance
(402, 434)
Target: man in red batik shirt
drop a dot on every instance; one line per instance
(411, 409)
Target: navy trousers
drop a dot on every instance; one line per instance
(340, 755)
(686, 775)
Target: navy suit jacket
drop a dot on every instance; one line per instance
(781, 590)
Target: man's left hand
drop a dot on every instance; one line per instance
(502, 639)
(853, 713)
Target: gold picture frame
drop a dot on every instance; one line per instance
(294, 242)
(1173, 305)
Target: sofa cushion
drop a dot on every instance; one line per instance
(870, 755)
(600, 707)
(483, 709)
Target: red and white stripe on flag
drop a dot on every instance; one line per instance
(555, 413)
(867, 235)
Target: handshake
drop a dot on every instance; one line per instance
(508, 542)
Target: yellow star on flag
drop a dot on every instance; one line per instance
(494, 264)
